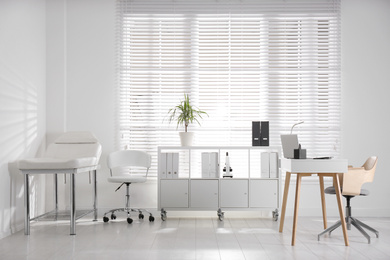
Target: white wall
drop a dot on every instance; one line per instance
(365, 89)
(81, 78)
(22, 104)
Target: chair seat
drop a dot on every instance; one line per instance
(127, 179)
(332, 190)
(56, 163)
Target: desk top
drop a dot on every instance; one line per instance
(314, 165)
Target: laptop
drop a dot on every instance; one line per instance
(289, 143)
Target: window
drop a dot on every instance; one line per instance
(239, 60)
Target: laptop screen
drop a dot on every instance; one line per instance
(289, 143)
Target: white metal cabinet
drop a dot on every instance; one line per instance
(204, 194)
(234, 193)
(174, 193)
(264, 194)
(247, 190)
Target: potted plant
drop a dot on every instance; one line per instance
(185, 114)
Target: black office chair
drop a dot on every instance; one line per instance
(352, 182)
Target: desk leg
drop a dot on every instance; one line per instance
(296, 206)
(94, 195)
(72, 205)
(340, 204)
(323, 201)
(284, 203)
(26, 205)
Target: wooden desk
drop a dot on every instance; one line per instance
(308, 167)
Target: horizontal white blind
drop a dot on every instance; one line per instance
(240, 61)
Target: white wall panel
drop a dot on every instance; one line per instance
(22, 105)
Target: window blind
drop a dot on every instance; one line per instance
(240, 61)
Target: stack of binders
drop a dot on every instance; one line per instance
(169, 166)
(210, 165)
(269, 165)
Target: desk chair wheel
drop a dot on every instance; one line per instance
(105, 219)
(113, 216)
(129, 220)
(221, 214)
(141, 216)
(151, 219)
(163, 215)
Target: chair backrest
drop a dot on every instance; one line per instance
(71, 145)
(370, 167)
(356, 177)
(128, 158)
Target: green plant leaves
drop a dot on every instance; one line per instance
(185, 113)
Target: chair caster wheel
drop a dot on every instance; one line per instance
(141, 216)
(113, 216)
(129, 220)
(105, 219)
(221, 215)
(151, 219)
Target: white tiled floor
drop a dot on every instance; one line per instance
(193, 238)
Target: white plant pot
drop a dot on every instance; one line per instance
(186, 138)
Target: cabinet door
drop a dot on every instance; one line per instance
(264, 193)
(234, 193)
(204, 194)
(174, 194)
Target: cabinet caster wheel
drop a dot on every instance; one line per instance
(105, 219)
(151, 219)
(113, 216)
(129, 220)
(275, 215)
(141, 216)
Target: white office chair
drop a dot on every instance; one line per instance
(125, 167)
